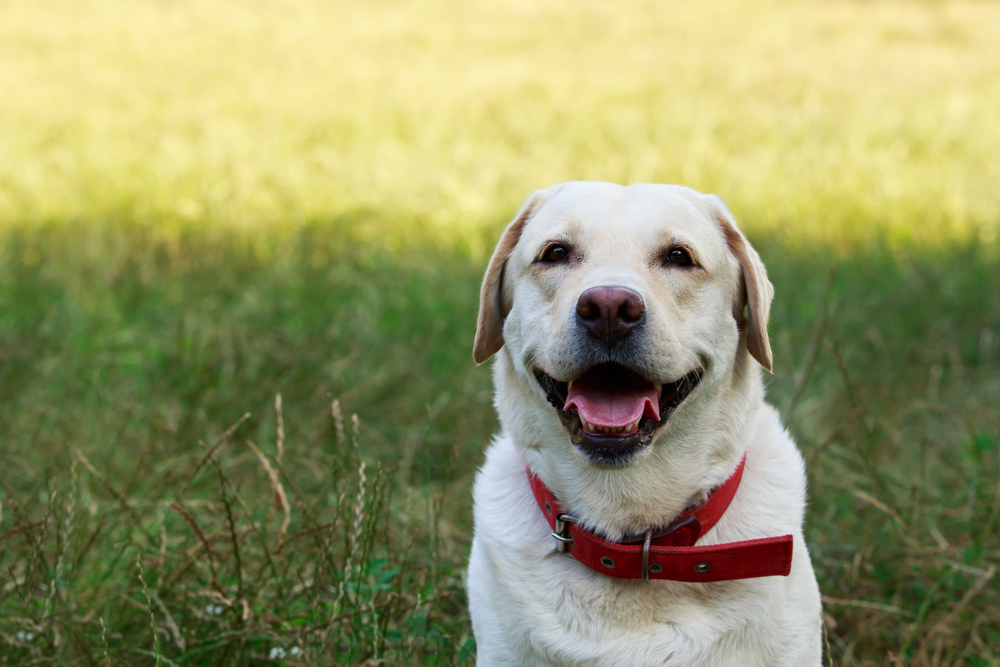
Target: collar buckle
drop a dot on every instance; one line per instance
(562, 531)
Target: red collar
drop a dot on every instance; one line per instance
(669, 552)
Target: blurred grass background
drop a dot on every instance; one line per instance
(206, 204)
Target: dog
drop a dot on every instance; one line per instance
(642, 504)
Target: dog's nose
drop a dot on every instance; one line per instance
(610, 314)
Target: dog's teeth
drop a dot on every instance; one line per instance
(569, 385)
(635, 424)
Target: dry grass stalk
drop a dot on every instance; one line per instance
(359, 504)
(233, 536)
(39, 542)
(104, 640)
(281, 431)
(268, 560)
(218, 443)
(279, 491)
(872, 500)
(864, 604)
(985, 346)
(198, 531)
(944, 625)
(169, 619)
(217, 596)
(328, 540)
(338, 420)
(67, 532)
(122, 501)
(149, 607)
(13, 532)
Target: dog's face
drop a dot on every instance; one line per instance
(618, 307)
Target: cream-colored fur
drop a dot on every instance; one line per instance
(533, 606)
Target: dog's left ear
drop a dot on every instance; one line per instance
(756, 290)
(492, 308)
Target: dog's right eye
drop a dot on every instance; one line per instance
(554, 252)
(678, 256)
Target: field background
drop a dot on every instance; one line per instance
(206, 204)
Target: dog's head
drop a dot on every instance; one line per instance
(620, 310)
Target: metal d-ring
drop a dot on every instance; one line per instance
(562, 531)
(645, 556)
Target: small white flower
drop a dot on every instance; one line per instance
(28, 636)
(219, 609)
(295, 650)
(277, 653)
(208, 609)
(20, 635)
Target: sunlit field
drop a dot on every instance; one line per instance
(818, 120)
(205, 205)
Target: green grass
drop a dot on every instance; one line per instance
(142, 362)
(134, 362)
(205, 205)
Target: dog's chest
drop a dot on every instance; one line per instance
(568, 615)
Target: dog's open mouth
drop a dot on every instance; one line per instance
(611, 412)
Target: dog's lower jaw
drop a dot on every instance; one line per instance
(619, 453)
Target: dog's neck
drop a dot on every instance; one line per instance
(678, 470)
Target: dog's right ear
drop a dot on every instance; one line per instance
(492, 309)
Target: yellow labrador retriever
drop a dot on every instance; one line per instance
(642, 504)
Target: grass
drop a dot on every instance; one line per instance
(204, 206)
(133, 406)
(125, 387)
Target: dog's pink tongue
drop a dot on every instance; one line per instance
(612, 409)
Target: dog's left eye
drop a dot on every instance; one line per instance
(679, 256)
(555, 252)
